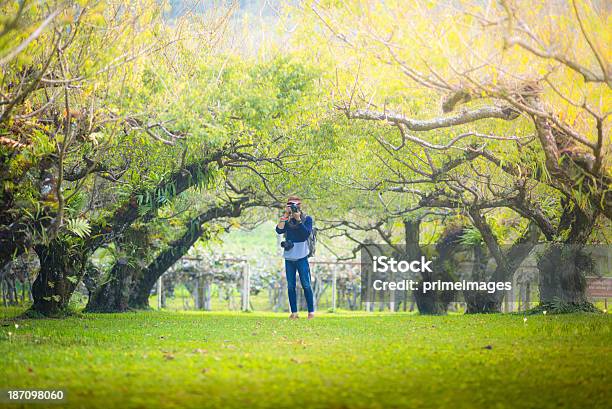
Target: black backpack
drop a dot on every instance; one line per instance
(312, 241)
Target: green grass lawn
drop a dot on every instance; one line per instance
(242, 360)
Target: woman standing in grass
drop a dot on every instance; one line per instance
(297, 228)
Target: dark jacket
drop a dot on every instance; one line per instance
(297, 232)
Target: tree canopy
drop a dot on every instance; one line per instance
(136, 129)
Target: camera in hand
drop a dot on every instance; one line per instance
(287, 244)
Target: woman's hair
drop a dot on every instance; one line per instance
(294, 198)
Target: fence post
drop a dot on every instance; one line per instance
(512, 304)
(159, 293)
(334, 288)
(248, 289)
(392, 296)
(246, 286)
(196, 294)
(207, 293)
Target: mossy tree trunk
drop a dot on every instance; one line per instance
(114, 294)
(563, 266)
(481, 302)
(141, 290)
(60, 271)
(431, 302)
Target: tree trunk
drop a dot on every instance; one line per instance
(59, 274)
(480, 302)
(562, 266)
(139, 295)
(561, 275)
(507, 263)
(113, 295)
(431, 302)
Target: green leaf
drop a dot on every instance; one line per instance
(72, 279)
(79, 227)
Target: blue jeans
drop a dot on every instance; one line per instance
(301, 266)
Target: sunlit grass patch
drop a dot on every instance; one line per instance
(193, 359)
